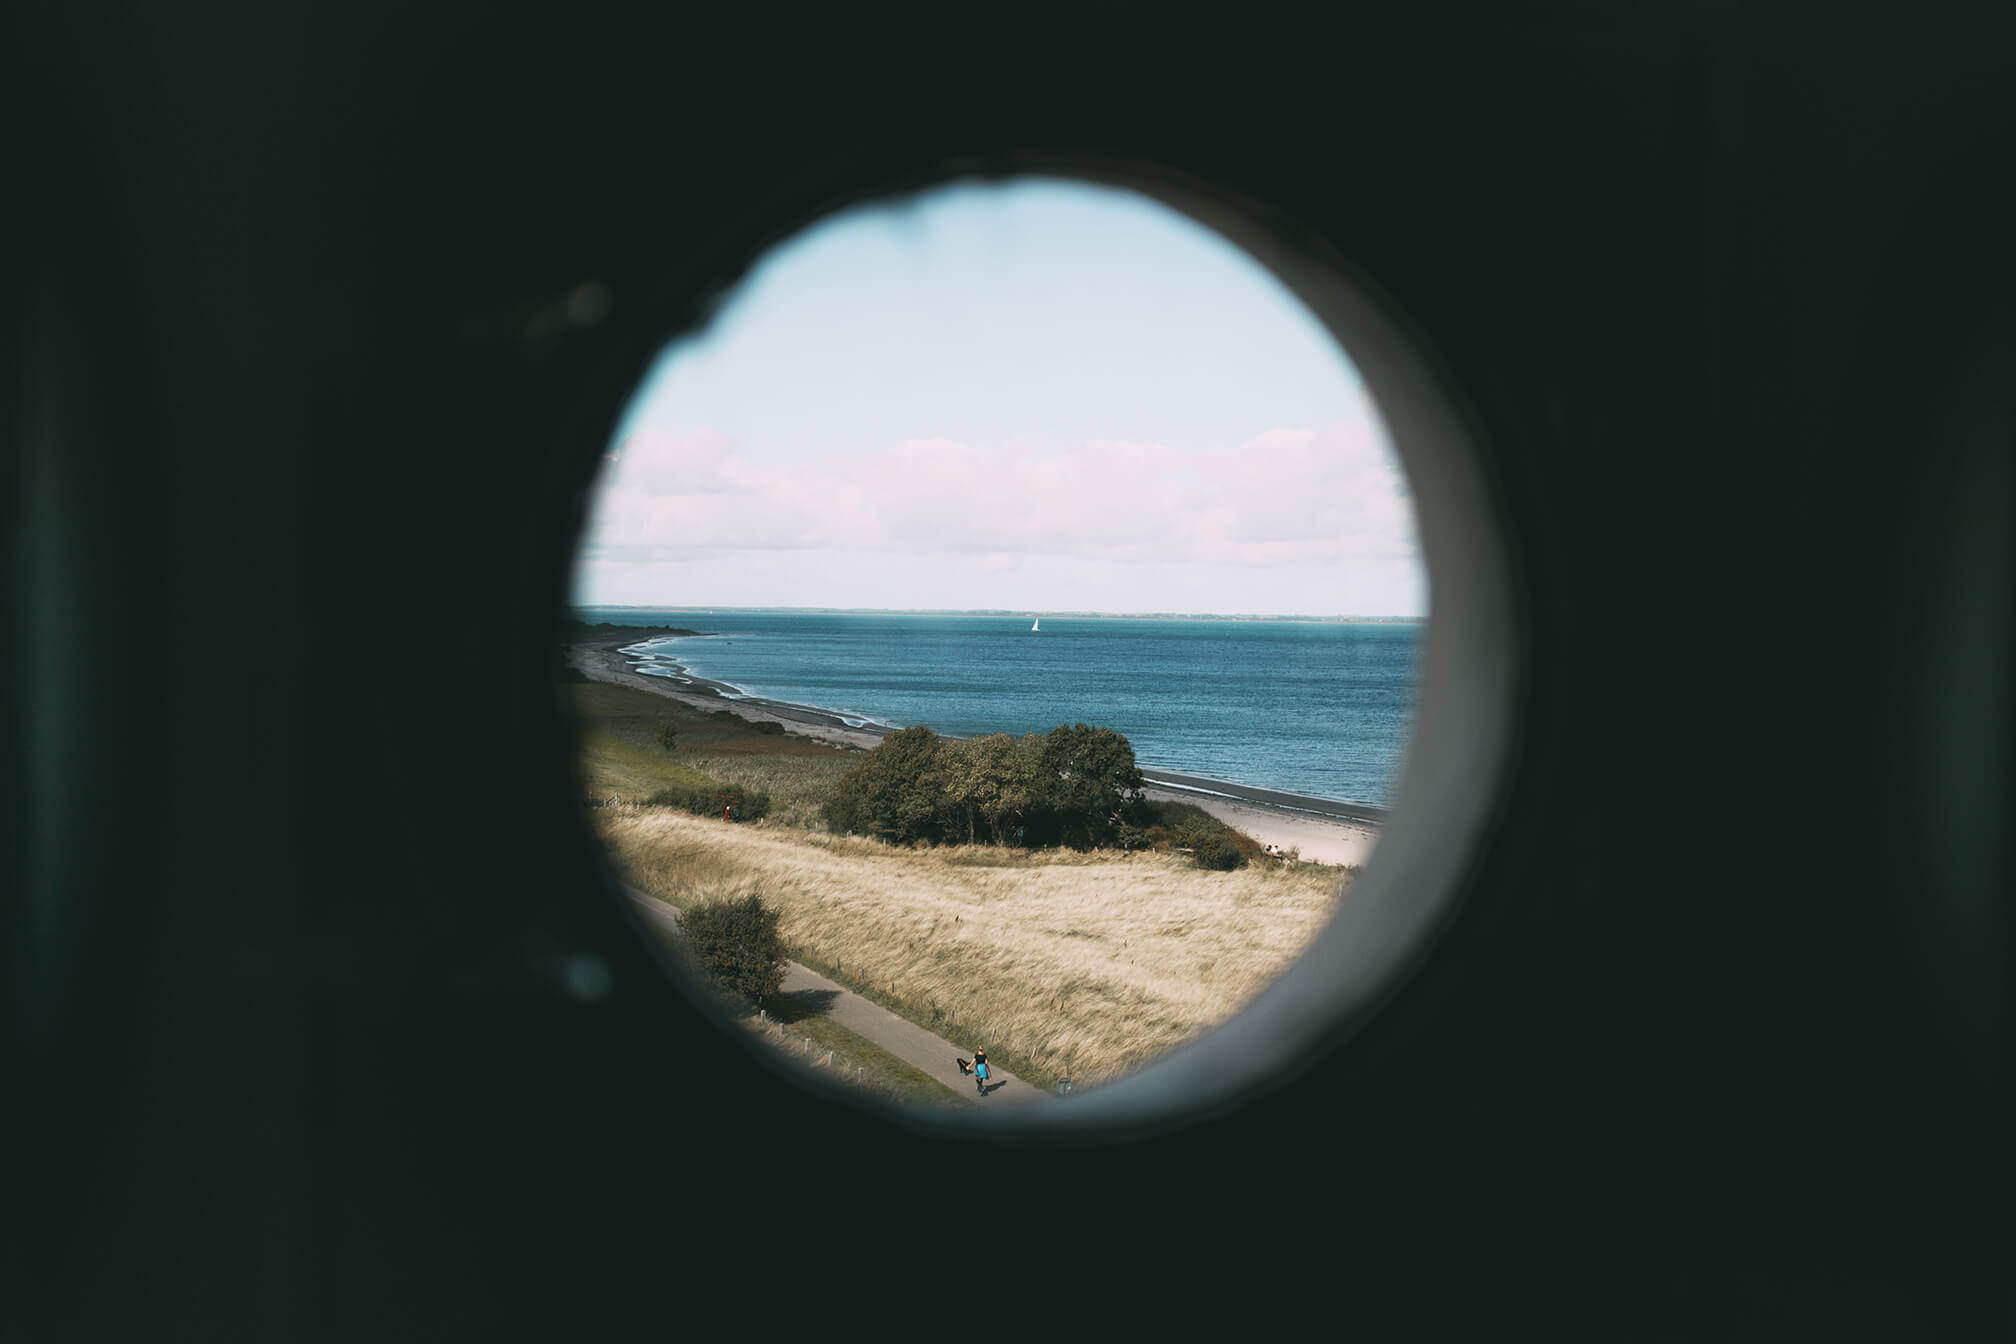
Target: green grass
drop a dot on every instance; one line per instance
(881, 1072)
(609, 764)
(634, 716)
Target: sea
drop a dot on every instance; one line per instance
(1320, 709)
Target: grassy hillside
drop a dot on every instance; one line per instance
(1058, 962)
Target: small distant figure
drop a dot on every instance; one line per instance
(980, 1071)
(727, 812)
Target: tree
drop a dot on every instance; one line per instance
(737, 944)
(1091, 781)
(995, 779)
(895, 793)
(1077, 784)
(668, 736)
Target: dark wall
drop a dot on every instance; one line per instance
(295, 410)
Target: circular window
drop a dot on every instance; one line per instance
(1000, 650)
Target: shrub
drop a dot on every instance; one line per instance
(737, 945)
(1177, 816)
(668, 736)
(708, 800)
(769, 728)
(698, 800)
(1220, 853)
(842, 813)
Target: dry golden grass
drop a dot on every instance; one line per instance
(1086, 964)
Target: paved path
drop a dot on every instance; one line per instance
(871, 1021)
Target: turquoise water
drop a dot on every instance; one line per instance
(1321, 709)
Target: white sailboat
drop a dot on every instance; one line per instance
(1037, 626)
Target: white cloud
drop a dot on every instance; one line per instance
(970, 518)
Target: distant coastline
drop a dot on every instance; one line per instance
(1020, 611)
(602, 655)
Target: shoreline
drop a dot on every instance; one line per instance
(1322, 830)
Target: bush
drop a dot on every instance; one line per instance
(843, 814)
(1219, 853)
(768, 728)
(697, 799)
(668, 736)
(708, 800)
(1177, 816)
(737, 945)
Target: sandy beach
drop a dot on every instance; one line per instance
(1318, 829)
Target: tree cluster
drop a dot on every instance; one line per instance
(1076, 785)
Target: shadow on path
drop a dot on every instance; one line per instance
(799, 1004)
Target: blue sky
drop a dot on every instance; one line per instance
(1041, 396)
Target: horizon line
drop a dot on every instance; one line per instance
(691, 607)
